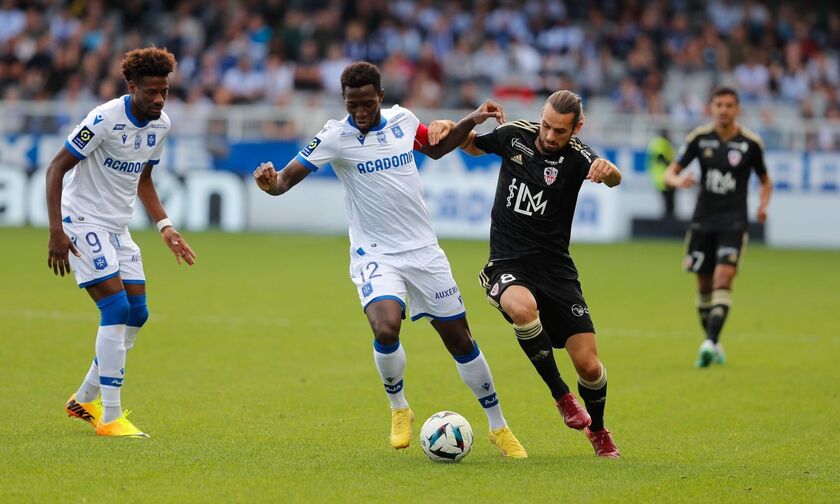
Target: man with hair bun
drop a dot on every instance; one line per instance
(530, 276)
(110, 155)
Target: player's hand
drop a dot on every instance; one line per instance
(487, 110)
(762, 215)
(438, 130)
(59, 247)
(265, 176)
(178, 245)
(686, 181)
(599, 170)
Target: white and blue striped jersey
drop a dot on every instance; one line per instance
(383, 194)
(113, 147)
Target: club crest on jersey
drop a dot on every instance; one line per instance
(137, 141)
(397, 131)
(83, 137)
(151, 139)
(550, 174)
(311, 146)
(734, 157)
(380, 137)
(100, 263)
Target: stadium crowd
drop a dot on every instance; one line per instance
(660, 57)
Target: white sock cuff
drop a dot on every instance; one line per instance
(722, 297)
(596, 384)
(528, 331)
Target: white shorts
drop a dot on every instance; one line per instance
(421, 279)
(104, 255)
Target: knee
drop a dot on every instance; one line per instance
(723, 278)
(590, 370)
(521, 310)
(114, 309)
(386, 333)
(461, 346)
(139, 312)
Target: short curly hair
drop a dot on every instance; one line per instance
(361, 73)
(147, 62)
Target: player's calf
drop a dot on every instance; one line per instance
(110, 351)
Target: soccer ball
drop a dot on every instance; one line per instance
(446, 437)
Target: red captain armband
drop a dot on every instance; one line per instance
(421, 138)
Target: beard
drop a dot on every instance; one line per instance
(548, 149)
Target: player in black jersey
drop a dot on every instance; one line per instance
(530, 276)
(727, 153)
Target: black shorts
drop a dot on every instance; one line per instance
(563, 310)
(706, 249)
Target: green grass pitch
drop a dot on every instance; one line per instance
(254, 378)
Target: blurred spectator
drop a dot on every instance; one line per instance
(245, 83)
(331, 69)
(752, 77)
(279, 79)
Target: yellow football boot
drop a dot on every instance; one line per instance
(89, 412)
(401, 420)
(121, 427)
(508, 444)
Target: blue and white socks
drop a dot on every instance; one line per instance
(390, 362)
(110, 352)
(110, 309)
(475, 372)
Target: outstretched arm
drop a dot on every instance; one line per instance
(171, 237)
(276, 182)
(764, 196)
(440, 128)
(60, 245)
(675, 180)
(458, 134)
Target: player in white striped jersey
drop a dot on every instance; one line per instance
(110, 155)
(395, 260)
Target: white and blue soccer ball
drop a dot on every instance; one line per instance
(446, 437)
